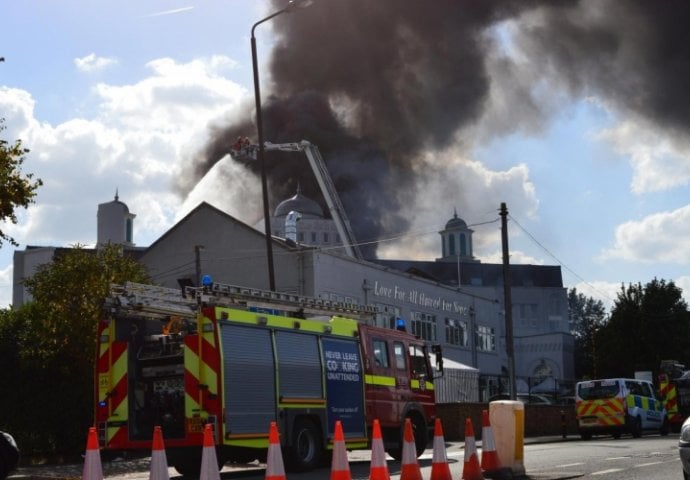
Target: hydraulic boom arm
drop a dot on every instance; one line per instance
(325, 183)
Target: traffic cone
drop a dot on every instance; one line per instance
(409, 469)
(491, 464)
(159, 462)
(275, 469)
(440, 470)
(471, 469)
(379, 467)
(209, 461)
(340, 469)
(92, 460)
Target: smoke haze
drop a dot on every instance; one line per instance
(377, 85)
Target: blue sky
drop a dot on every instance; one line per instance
(120, 95)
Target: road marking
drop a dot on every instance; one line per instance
(647, 464)
(571, 464)
(604, 472)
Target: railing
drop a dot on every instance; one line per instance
(532, 389)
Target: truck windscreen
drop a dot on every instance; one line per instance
(597, 390)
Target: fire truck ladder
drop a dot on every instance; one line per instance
(155, 300)
(232, 295)
(330, 194)
(150, 299)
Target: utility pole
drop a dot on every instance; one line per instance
(197, 262)
(507, 301)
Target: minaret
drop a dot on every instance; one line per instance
(115, 223)
(456, 241)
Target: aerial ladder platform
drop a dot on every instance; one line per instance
(324, 180)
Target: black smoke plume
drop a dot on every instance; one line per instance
(377, 83)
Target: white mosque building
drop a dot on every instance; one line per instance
(454, 300)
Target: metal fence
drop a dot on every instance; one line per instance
(531, 389)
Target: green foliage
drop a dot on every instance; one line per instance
(49, 346)
(587, 316)
(16, 190)
(647, 324)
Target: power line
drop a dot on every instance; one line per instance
(558, 260)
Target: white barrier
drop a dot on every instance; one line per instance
(507, 419)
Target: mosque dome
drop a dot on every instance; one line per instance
(299, 203)
(456, 222)
(122, 205)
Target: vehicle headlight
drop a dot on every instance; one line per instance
(685, 433)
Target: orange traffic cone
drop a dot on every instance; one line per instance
(409, 469)
(92, 460)
(491, 464)
(440, 470)
(471, 470)
(159, 462)
(275, 469)
(340, 469)
(379, 467)
(209, 461)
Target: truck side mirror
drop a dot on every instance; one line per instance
(438, 351)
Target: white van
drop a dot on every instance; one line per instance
(618, 405)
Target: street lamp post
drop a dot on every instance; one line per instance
(259, 126)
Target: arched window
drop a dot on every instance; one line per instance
(463, 245)
(451, 244)
(128, 230)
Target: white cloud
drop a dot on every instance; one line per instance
(92, 63)
(684, 284)
(175, 100)
(517, 257)
(659, 161)
(6, 286)
(18, 112)
(606, 292)
(662, 237)
(136, 143)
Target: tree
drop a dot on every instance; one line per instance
(16, 190)
(587, 316)
(647, 324)
(57, 333)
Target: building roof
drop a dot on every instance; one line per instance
(479, 274)
(207, 206)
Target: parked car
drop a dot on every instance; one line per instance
(684, 448)
(531, 398)
(9, 455)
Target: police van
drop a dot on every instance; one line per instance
(615, 406)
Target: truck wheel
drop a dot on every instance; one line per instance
(188, 467)
(306, 449)
(636, 427)
(189, 464)
(664, 428)
(420, 438)
(420, 434)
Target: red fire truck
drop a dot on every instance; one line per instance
(674, 389)
(239, 358)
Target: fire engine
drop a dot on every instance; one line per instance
(239, 358)
(674, 389)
